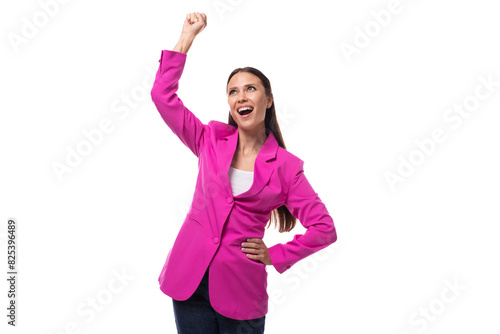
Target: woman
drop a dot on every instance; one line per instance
(216, 272)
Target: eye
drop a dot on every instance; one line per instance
(251, 87)
(231, 92)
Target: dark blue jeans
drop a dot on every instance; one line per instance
(197, 316)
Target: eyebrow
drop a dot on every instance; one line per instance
(250, 84)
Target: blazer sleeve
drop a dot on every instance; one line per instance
(304, 203)
(183, 123)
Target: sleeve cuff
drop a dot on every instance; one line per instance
(276, 253)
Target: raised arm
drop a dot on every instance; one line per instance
(193, 25)
(190, 130)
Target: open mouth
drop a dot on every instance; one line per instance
(245, 111)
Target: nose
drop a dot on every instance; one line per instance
(241, 97)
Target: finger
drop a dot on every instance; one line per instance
(256, 240)
(250, 245)
(255, 243)
(200, 19)
(254, 257)
(251, 250)
(203, 20)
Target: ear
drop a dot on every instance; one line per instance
(269, 101)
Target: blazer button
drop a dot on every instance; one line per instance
(229, 200)
(216, 240)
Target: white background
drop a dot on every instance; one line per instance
(348, 118)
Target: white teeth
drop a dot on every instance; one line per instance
(245, 108)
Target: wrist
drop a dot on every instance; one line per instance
(184, 43)
(187, 35)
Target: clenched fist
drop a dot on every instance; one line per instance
(195, 22)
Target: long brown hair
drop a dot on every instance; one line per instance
(280, 216)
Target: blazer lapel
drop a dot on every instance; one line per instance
(263, 168)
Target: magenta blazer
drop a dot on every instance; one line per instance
(218, 222)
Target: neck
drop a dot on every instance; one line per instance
(250, 142)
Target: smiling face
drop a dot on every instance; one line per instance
(246, 90)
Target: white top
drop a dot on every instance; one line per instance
(241, 180)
